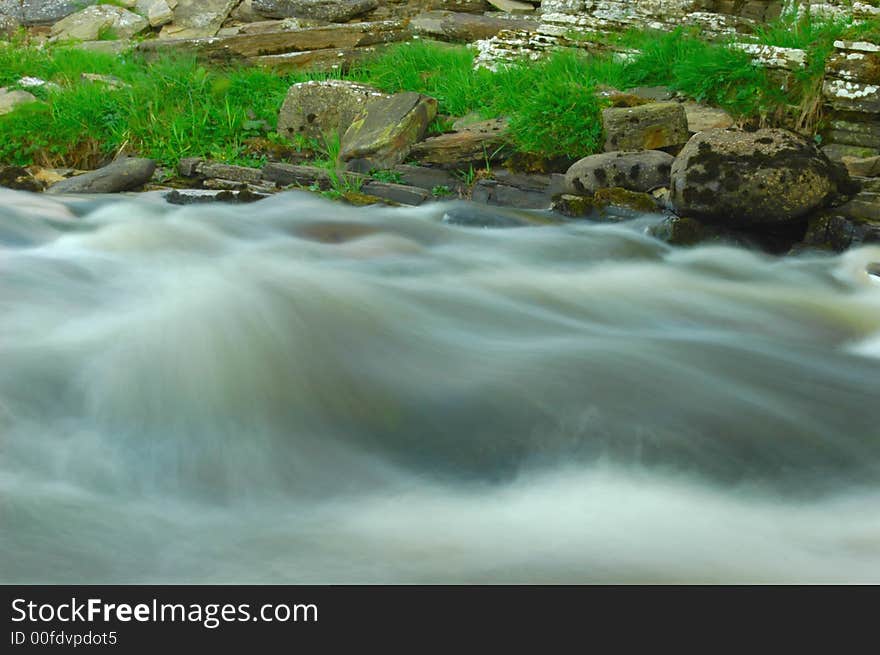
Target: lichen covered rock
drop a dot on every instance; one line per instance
(384, 133)
(316, 109)
(758, 178)
(636, 171)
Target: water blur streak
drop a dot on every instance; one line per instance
(299, 391)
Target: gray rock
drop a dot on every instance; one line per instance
(88, 24)
(399, 193)
(646, 127)
(41, 12)
(752, 178)
(836, 232)
(157, 12)
(464, 27)
(636, 171)
(426, 178)
(475, 144)
(513, 6)
(384, 133)
(837, 151)
(332, 11)
(654, 93)
(315, 109)
(9, 100)
(862, 166)
(197, 18)
(700, 117)
(122, 175)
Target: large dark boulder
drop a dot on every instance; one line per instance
(758, 178)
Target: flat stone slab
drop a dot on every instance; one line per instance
(246, 46)
(122, 175)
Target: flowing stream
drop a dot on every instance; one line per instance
(296, 391)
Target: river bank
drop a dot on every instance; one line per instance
(240, 111)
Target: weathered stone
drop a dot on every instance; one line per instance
(461, 6)
(315, 109)
(862, 166)
(462, 27)
(759, 178)
(768, 56)
(398, 193)
(387, 128)
(122, 175)
(197, 18)
(700, 117)
(845, 95)
(835, 232)
(862, 133)
(837, 151)
(684, 231)
(525, 191)
(637, 171)
(9, 100)
(512, 6)
(317, 60)
(648, 127)
(42, 12)
(426, 178)
(92, 22)
(477, 144)
(285, 175)
(863, 67)
(863, 208)
(194, 167)
(573, 205)
(653, 93)
(105, 47)
(157, 12)
(332, 11)
(198, 196)
(245, 12)
(350, 35)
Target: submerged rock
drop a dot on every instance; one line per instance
(122, 175)
(636, 171)
(758, 178)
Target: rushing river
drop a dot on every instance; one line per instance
(297, 391)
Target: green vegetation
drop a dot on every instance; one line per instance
(176, 107)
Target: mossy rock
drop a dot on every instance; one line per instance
(748, 179)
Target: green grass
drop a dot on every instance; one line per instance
(175, 107)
